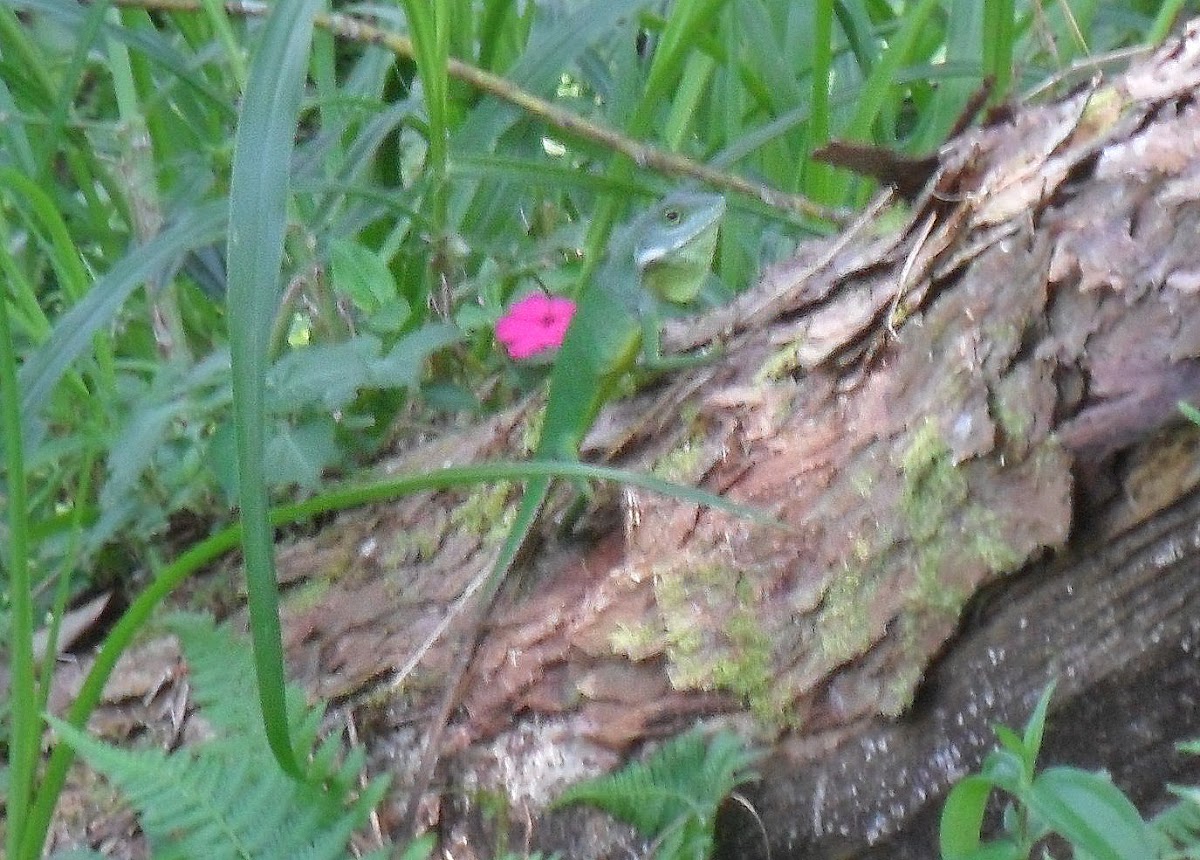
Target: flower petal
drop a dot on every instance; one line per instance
(535, 324)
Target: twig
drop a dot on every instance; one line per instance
(1087, 64)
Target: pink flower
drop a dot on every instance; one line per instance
(535, 324)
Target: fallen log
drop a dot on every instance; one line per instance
(974, 417)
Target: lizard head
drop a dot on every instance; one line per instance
(675, 242)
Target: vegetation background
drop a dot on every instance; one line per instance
(272, 240)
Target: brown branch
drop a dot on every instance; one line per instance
(645, 155)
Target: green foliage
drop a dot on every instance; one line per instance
(673, 796)
(178, 440)
(1085, 809)
(228, 797)
(362, 276)
(258, 203)
(1177, 828)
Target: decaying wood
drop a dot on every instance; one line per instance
(982, 403)
(1116, 623)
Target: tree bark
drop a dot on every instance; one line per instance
(1116, 624)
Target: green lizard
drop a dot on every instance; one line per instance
(662, 255)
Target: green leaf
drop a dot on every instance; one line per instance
(128, 458)
(1036, 727)
(227, 797)
(23, 718)
(173, 398)
(404, 363)
(1178, 824)
(391, 317)
(962, 817)
(329, 376)
(429, 23)
(1006, 770)
(262, 156)
(300, 455)
(322, 376)
(361, 274)
(1010, 740)
(965, 34)
(1091, 813)
(883, 76)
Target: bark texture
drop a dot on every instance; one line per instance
(968, 427)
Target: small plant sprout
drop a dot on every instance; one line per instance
(1083, 808)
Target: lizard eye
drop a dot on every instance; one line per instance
(671, 215)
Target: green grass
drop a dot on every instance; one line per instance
(202, 211)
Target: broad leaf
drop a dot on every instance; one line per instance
(1091, 812)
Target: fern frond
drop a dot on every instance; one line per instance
(228, 798)
(1178, 826)
(222, 679)
(674, 794)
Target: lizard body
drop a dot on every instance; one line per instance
(663, 254)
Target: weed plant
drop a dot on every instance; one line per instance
(1083, 809)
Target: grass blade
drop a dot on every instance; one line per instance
(74, 330)
(549, 51)
(26, 719)
(428, 22)
(257, 221)
(875, 91)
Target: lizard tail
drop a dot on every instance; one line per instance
(532, 499)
